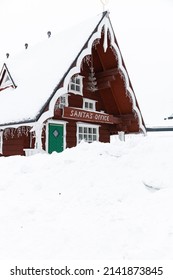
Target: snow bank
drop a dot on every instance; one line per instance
(95, 201)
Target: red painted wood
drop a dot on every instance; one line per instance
(87, 116)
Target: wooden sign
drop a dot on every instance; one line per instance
(89, 116)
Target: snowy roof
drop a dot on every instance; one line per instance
(37, 71)
(161, 125)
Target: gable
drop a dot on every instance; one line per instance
(109, 77)
(105, 94)
(6, 80)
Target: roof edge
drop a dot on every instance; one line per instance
(85, 50)
(17, 124)
(105, 13)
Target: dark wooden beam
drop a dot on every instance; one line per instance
(121, 127)
(117, 120)
(114, 70)
(127, 117)
(118, 107)
(123, 119)
(105, 79)
(107, 73)
(103, 84)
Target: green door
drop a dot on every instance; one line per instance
(55, 138)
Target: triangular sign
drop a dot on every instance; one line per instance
(6, 80)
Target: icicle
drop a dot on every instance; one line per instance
(105, 43)
(38, 133)
(37, 130)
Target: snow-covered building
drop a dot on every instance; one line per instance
(71, 87)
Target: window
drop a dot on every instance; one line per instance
(6, 81)
(87, 132)
(62, 102)
(1, 141)
(76, 85)
(5, 78)
(89, 104)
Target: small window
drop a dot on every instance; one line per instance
(62, 102)
(1, 141)
(87, 132)
(6, 80)
(89, 104)
(76, 85)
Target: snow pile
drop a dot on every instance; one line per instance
(95, 201)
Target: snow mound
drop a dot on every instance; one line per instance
(94, 201)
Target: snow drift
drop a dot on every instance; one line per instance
(94, 201)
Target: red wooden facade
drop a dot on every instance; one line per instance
(94, 114)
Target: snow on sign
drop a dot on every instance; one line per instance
(67, 92)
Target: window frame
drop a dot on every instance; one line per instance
(87, 132)
(61, 105)
(89, 102)
(1, 142)
(6, 80)
(73, 83)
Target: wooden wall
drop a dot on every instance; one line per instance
(14, 143)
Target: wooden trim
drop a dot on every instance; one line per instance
(4, 72)
(1, 142)
(47, 131)
(89, 125)
(89, 116)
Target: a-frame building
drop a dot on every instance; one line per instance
(72, 87)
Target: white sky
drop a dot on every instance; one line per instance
(144, 30)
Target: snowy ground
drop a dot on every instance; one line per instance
(95, 201)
